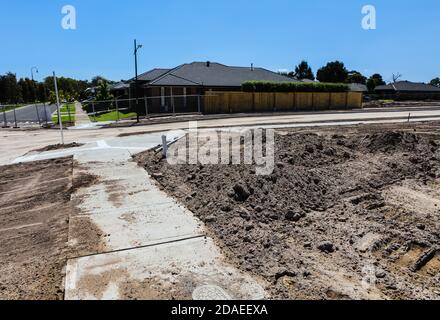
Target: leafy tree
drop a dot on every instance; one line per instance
(303, 71)
(356, 77)
(374, 81)
(28, 90)
(98, 79)
(103, 91)
(10, 91)
(42, 92)
(435, 82)
(333, 72)
(53, 98)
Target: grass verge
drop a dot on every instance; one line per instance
(64, 110)
(113, 116)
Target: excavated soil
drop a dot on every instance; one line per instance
(54, 147)
(348, 212)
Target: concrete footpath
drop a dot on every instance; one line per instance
(81, 117)
(140, 243)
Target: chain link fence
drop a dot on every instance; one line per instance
(37, 115)
(15, 116)
(145, 107)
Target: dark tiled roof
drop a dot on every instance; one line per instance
(407, 86)
(152, 74)
(216, 75)
(119, 86)
(358, 87)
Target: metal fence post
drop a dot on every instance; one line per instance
(45, 112)
(198, 104)
(38, 115)
(68, 112)
(93, 110)
(172, 102)
(146, 107)
(4, 116)
(5, 125)
(117, 110)
(15, 118)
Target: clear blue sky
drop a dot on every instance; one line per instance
(273, 34)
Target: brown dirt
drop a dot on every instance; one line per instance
(58, 147)
(34, 217)
(83, 180)
(348, 213)
(87, 237)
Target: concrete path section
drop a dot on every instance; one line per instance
(130, 240)
(81, 117)
(124, 205)
(189, 269)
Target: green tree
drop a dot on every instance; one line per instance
(333, 72)
(103, 93)
(10, 91)
(374, 81)
(356, 77)
(303, 71)
(42, 92)
(28, 90)
(435, 82)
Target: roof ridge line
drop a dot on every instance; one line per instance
(167, 73)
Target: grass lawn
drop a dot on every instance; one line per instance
(71, 108)
(10, 107)
(113, 116)
(64, 114)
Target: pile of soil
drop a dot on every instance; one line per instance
(328, 223)
(58, 147)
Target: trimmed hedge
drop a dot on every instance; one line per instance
(268, 86)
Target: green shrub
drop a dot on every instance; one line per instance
(268, 86)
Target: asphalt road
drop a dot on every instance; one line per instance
(29, 114)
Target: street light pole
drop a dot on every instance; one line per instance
(32, 72)
(136, 48)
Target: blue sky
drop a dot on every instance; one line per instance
(274, 34)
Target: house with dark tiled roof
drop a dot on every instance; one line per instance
(166, 88)
(407, 87)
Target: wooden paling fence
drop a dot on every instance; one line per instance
(236, 102)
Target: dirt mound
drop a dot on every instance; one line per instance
(391, 141)
(322, 218)
(58, 147)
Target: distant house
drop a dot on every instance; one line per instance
(358, 87)
(407, 87)
(120, 89)
(180, 87)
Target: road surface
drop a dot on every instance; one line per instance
(29, 114)
(16, 143)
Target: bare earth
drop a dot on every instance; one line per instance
(348, 213)
(34, 219)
